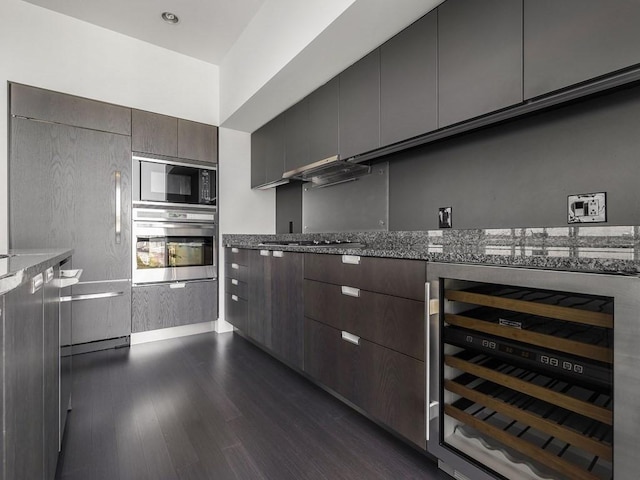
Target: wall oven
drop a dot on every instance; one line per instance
(532, 374)
(167, 181)
(171, 245)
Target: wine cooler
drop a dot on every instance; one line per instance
(533, 374)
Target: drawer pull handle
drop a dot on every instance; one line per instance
(351, 259)
(235, 250)
(177, 285)
(234, 298)
(350, 291)
(264, 253)
(48, 275)
(235, 266)
(278, 253)
(234, 281)
(36, 283)
(351, 338)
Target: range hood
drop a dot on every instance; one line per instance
(329, 171)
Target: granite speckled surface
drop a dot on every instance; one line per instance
(608, 249)
(21, 265)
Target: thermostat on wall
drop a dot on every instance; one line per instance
(587, 208)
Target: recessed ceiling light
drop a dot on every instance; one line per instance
(169, 17)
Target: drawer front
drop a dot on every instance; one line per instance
(236, 287)
(392, 276)
(388, 385)
(394, 322)
(236, 271)
(236, 311)
(236, 255)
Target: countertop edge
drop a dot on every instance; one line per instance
(29, 263)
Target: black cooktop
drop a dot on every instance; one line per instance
(312, 243)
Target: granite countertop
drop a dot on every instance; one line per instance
(21, 265)
(608, 249)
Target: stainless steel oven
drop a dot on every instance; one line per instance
(170, 182)
(532, 374)
(171, 245)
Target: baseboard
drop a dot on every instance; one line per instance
(172, 332)
(96, 346)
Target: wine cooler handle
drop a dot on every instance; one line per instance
(431, 307)
(118, 207)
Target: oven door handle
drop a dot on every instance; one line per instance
(174, 225)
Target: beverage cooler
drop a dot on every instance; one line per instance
(533, 374)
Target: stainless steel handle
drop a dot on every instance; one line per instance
(48, 275)
(278, 253)
(118, 207)
(351, 259)
(264, 253)
(431, 307)
(235, 266)
(90, 296)
(234, 281)
(36, 283)
(208, 227)
(350, 291)
(235, 250)
(350, 337)
(177, 285)
(234, 298)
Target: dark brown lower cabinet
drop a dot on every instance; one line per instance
(236, 311)
(259, 290)
(388, 385)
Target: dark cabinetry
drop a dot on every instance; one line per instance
(260, 299)
(268, 152)
(236, 272)
(409, 82)
(576, 40)
(172, 305)
(479, 58)
(364, 335)
(359, 106)
(296, 135)
(323, 121)
(174, 137)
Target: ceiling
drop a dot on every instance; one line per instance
(206, 31)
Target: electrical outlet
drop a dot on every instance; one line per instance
(587, 208)
(444, 217)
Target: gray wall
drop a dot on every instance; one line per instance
(519, 174)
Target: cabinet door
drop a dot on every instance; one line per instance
(287, 312)
(259, 156)
(154, 133)
(323, 121)
(24, 376)
(62, 184)
(36, 103)
(360, 106)
(51, 329)
(409, 82)
(572, 41)
(274, 159)
(101, 318)
(163, 306)
(236, 310)
(197, 141)
(479, 58)
(259, 284)
(296, 134)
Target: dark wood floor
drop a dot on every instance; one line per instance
(216, 407)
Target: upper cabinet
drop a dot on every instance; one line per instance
(164, 135)
(409, 82)
(479, 58)
(267, 152)
(359, 106)
(572, 41)
(296, 135)
(323, 121)
(36, 103)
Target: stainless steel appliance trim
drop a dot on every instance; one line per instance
(427, 316)
(275, 183)
(148, 203)
(350, 337)
(350, 291)
(36, 283)
(118, 280)
(310, 166)
(118, 207)
(184, 226)
(184, 214)
(351, 259)
(177, 162)
(90, 296)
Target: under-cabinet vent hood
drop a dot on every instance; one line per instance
(329, 171)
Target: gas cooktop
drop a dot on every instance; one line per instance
(312, 243)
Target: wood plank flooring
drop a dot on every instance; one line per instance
(214, 406)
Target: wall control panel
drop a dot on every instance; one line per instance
(587, 208)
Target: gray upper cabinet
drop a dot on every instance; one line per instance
(267, 152)
(360, 106)
(479, 58)
(323, 121)
(154, 133)
(570, 41)
(296, 135)
(31, 102)
(197, 141)
(409, 82)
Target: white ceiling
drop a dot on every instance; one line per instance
(206, 31)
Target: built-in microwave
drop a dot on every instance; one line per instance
(159, 181)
